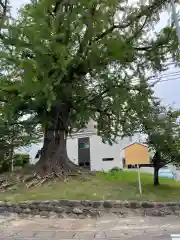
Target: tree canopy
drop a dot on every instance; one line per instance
(66, 62)
(162, 127)
(14, 136)
(164, 138)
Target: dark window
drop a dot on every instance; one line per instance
(84, 164)
(108, 159)
(83, 145)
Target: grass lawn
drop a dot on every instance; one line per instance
(115, 186)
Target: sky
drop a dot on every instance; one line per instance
(168, 90)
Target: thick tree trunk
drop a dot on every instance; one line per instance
(54, 158)
(156, 176)
(156, 165)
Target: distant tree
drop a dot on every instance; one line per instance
(162, 126)
(14, 136)
(72, 61)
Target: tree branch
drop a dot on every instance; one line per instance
(140, 29)
(4, 11)
(57, 4)
(146, 11)
(86, 39)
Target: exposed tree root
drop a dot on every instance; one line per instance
(37, 179)
(53, 164)
(11, 181)
(8, 182)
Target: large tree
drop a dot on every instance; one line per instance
(72, 61)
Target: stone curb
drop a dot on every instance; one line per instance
(88, 208)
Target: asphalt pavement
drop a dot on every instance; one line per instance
(161, 237)
(59, 237)
(108, 227)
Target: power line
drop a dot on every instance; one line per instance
(168, 78)
(165, 78)
(166, 75)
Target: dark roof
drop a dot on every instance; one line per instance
(136, 143)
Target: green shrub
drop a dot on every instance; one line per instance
(21, 159)
(115, 169)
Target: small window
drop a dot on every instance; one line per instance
(108, 159)
(82, 164)
(83, 145)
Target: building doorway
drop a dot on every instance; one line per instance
(84, 152)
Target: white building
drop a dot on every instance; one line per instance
(86, 149)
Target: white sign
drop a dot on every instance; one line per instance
(175, 236)
(139, 180)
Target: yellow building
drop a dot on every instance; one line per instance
(136, 153)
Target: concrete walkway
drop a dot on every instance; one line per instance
(108, 227)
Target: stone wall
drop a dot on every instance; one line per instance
(87, 208)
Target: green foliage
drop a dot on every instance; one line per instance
(5, 166)
(89, 58)
(162, 126)
(21, 159)
(115, 169)
(14, 135)
(120, 186)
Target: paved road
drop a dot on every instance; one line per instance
(140, 237)
(108, 227)
(162, 237)
(61, 237)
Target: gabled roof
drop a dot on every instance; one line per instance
(135, 143)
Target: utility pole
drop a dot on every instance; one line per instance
(175, 18)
